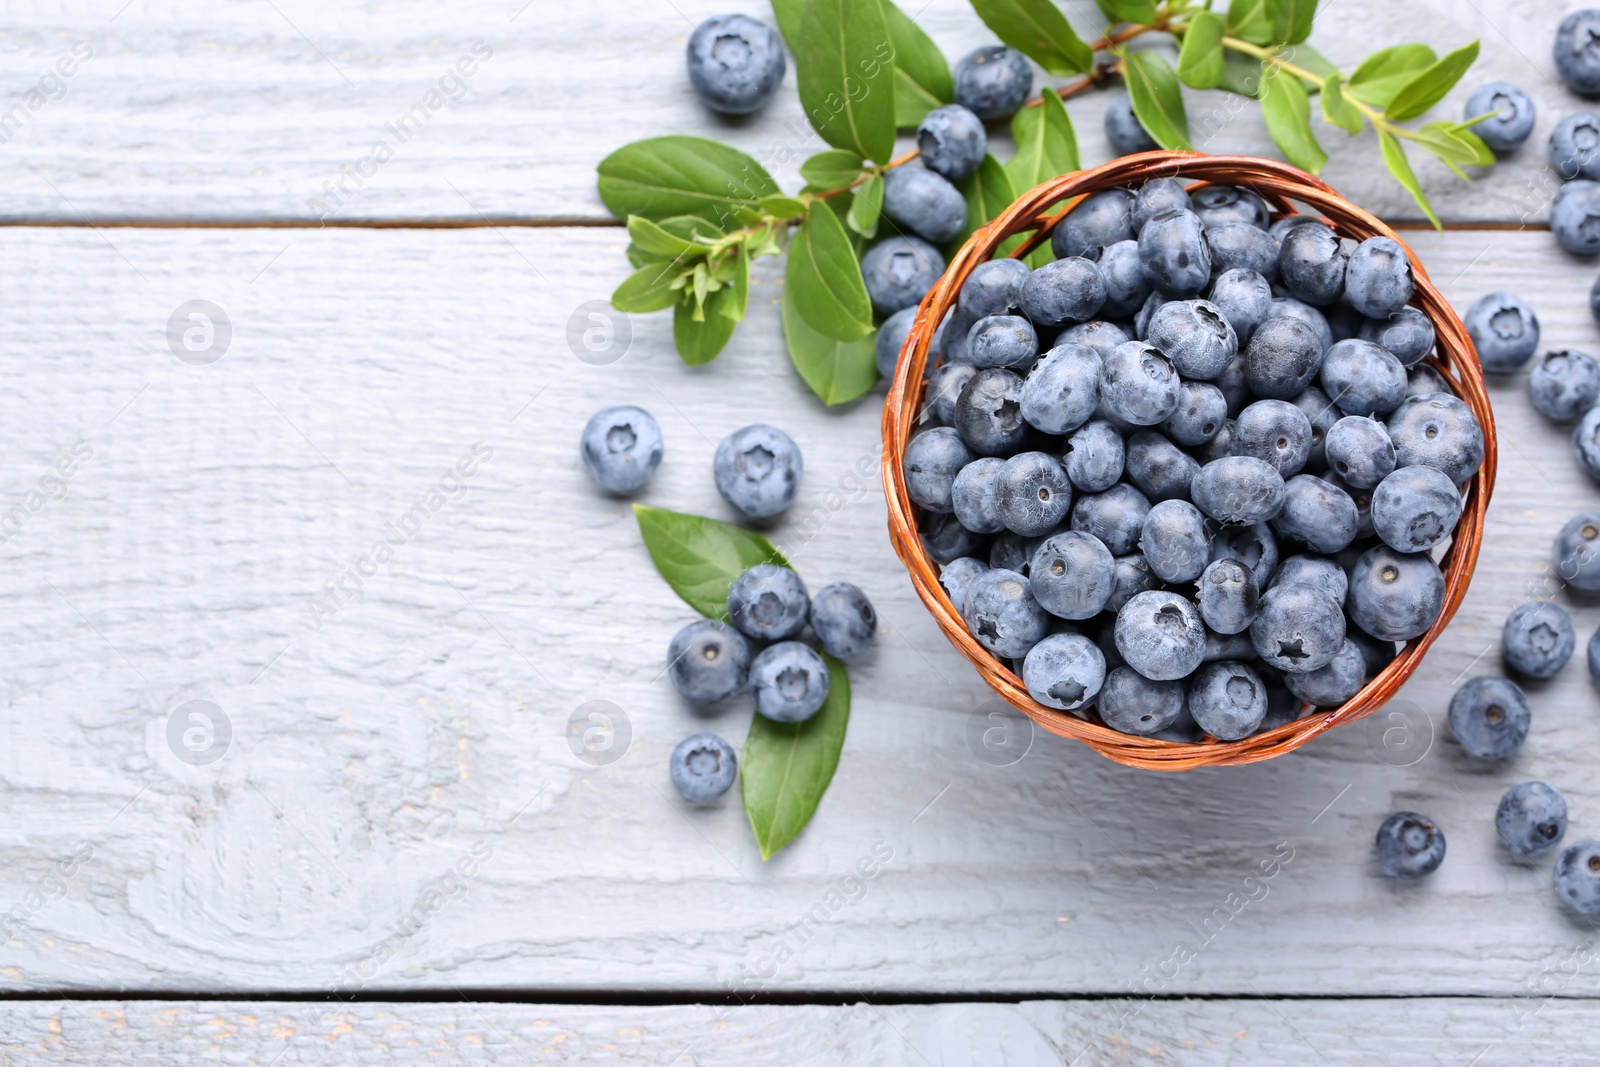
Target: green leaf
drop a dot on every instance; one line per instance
(788, 13)
(1483, 156)
(845, 71)
(738, 282)
(833, 169)
(647, 289)
(699, 340)
(1039, 30)
(1291, 20)
(655, 240)
(1240, 74)
(837, 371)
(867, 206)
(1383, 73)
(1047, 146)
(701, 557)
(1140, 11)
(1157, 99)
(1249, 20)
(782, 207)
(922, 78)
(1201, 59)
(824, 278)
(786, 766)
(1394, 157)
(678, 175)
(1336, 109)
(1287, 111)
(988, 192)
(1455, 146)
(1429, 87)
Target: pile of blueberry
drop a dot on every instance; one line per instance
(757, 471)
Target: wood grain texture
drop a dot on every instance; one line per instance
(399, 808)
(195, 110)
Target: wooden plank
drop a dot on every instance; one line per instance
(398, 806)
(293, 110)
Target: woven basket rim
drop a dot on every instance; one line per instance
(1034, 212)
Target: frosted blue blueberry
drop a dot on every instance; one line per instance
(1009, 552)
(1073, 575)
(1002, 341)
(1160, 469)
(1575, 217)
(1439, 430)
(1395, 596)
(1064, 671)
(1282, 358)
(924, 202)
(1254, 546)
(1154, 197)
(1511, 115)
(952, 141)
(1297, 628)
(621, 447)
(1146, 312)
(1063, 291)
(1244, 297)
(1594, 300)
(1359, 451)
(1489, 716)
(944, 388)
(1228, 700)
(789, 682)
(768, 602)
(1344, 321)
(1202, 410)
(953, 336)
(757, 470)
(1288, 306)
(1195, 336)
(1289, 222)
(1003, 615)
(993, 81)
(1423, 379)
(1563, 385)
(1504, 331)
(1318, 572)
(945, 539)
(1592, 650)
(1122, 275)
(1219, 446)
(1577, 51)
(899, 271)
(1220, 204)
(1378, 654)
(1276, 432)
(1311, 264)
(973, 495)
(1172, 248)
(1362, 498)
(1317, 513)
(1378, 279)
(1099, 221)
(1586, 442)
(844, 620)
(1576, 876)
(1124, 130)
(1330, 685)
(1407, 335)
(891, 339)
(1241, 246)
(702, 768)
(1133, 578)
(1062, 391)
(1409, 845)
(1115, 516)
(1138, 384)
(1160, 635)
(988, 413)
(1538, 639)
(1363, 379)
(735, 63)
(1103, 337)
(1095, 456)
(957, 575)
(1575, 146)
(1228, 646)
(1130, 703)
(1415, 508)
(1175, 542)
(708, 661)
(932, 460)
(1228, 596)
(1322, 414)
(993, 288)
(1032, 494)
(1238, 490)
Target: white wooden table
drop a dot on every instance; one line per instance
(1054, 909)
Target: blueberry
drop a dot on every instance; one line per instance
(1103, 337)
(1160, 635)
(1423, 379)
(1489, 716)
(1320, 573)
(1159, 468)
(1003, 615)
(708, 661)
(768, 602)
(957, 575)
(703, 767)
(1410, 845)
(1063, 291)
(944, 388)
(993, 81)
(1238, 490)
(1195, 336)
(1512, 114)
(1360, 452)
(1095, 456)
(1099, 221)
(1276, 432)
(1586, 442)
(1219, 446)
(1064, 671)
(1228, 596)
(1378, 654)
(789, 681)
(924, 202)
(1228, 646)
(1002, 341)
(1011, 552)
(1407, 335)
(735, 63)
(1318, 513)
(1330, 685)
(974, 495)
(1438, 430)
(757, 470)
(1577, 874)
(1124, 130)
(1172, 248)
(1032, 494)
(1395, 596)
(1577, 52)
(1219, 204)
(843, 619)
(1311, 264)
(1378, 279)
(1115, 516)
(891, 339)
(899, 271)
(1288, 306)
(1073, 575)
(1363, 379)
(1139, 384)
(1282, 358)
(1200, 414)
(1531, 818)
(1063, 389)
(621, 447)
(1122, 275)
(1254, 546)
(1322, 414)
(1504, 330)
(1575, 146)
(1575, 217)
(988, 413)
(1133, 578)
(1241, 246)
(993, 288)
(1577, 553)
(1146, 312)
(1244, 297)
(1415, 508)
(1297, 628)
(944, 538)
(932, 460)
(1133, 704)
(1154, 197)
(1538, 639)
(1563, 385)
(1363, 502)
(1228, 700)
(1593, 653)
(953, 335)
(952, 141)
(1174, 541)
(1289, 222)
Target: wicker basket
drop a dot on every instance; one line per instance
(1284, 187)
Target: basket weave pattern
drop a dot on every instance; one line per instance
(1031, 214)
